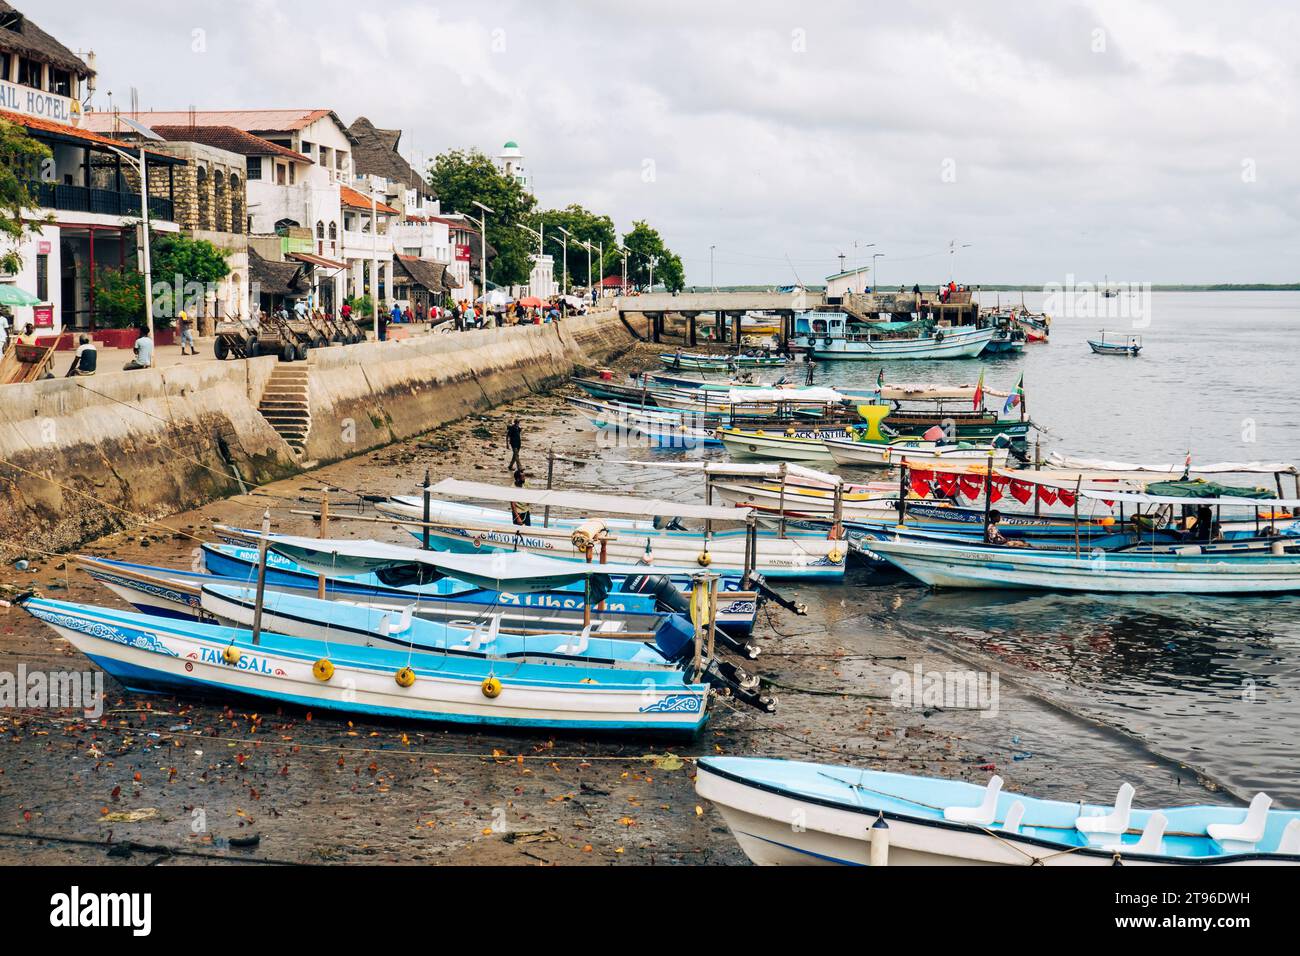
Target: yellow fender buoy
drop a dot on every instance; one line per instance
(704, 559)
(231, 654)
(759, 432)
(699, 604)
(491, 688)
(836, 556)
(322, 670)
(404, 677)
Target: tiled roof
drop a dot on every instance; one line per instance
(230, 139)
(34, 124)
(357, 200)
(252, 121)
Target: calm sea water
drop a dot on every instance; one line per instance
(1209, 681)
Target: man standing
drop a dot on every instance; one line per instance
(186, 328)
(515, 439)
(520, 512)
(381, 326)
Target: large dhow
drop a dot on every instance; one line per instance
(855, 817)
(639, 536)
(347, 669)
(834, 335)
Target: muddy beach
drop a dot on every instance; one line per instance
(183, 780)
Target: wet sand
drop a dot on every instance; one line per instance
(166, 779)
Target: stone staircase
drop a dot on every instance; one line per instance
(284, 404)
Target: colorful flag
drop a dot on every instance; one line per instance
(1016, 397)
(978, 401)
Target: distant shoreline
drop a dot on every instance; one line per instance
(1155, 287)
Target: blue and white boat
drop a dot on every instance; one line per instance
(148, 653)
(787, 812)
(1119, 343)
(833, 335)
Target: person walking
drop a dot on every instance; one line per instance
(185, 325)
(515, 439)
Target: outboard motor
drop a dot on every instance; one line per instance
(762, 587)
(668, 597)
(734, 681)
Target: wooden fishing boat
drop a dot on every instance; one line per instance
(856, 452)
(635, 601)
(720, 362)
(833, 335)
(789, 445)
(863, 817)
(658, 430)
(469, 529)
(148, 653)
(1121, 343)
(942, 564)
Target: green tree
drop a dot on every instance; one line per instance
(119, 297)
(184, 272)
(21, 160)
(646, 244)
(460, 177)
(584, 226)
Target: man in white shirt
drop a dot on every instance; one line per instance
(143, 352)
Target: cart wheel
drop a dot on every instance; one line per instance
(286, 352)
(252, 348)
(301, 352)
(222, 348)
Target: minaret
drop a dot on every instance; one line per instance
(511, 161)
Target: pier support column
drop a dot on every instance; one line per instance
(690, 325)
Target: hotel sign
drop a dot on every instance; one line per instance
(29, 102)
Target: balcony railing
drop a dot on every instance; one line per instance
(108, 202)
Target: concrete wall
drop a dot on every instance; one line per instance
(81, 458)
(371, 394)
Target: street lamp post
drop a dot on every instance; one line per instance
(146, 257)
(483, 238)
(564, 281)
(875, 276)
(712, 284)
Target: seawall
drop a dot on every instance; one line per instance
(80, 458)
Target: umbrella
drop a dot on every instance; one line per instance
(531, 302)
(494, 297)
(12, 295)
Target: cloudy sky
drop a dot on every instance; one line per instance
(1144, 141)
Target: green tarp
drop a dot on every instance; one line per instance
(1200, 488)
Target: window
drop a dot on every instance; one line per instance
(334, 231)
(43, 277)
(280, 174)
(254, 167)
(29, 73)
(308, 148)
(4, 67)
(293, 173)
(60, 82)
(320, 229)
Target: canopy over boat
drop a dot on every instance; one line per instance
(1229, 500)
(732, 469)
(1221, 468)
(748, 394)
(504, 571)
(913, 392)
(586, 501)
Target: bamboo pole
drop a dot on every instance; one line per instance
(262, 547)
(324, 524)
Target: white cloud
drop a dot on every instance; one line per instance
(793, 130)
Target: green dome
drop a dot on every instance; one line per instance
(511, 145)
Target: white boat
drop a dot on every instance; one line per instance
(469, 529)
(806, 445)
(786, 812)
(1190, 571)
(871, 454)
(878, 501)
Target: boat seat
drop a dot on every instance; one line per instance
(579, 645)
(1242, 837)
(982, 814)
(1290, 842)
(1017, 813)
(1153, 836)
(1113, 823)
(478, 639)
(403, 623)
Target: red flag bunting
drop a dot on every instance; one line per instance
(1066, 497)
(948, 483)
(1046, 495)
(1021, 491)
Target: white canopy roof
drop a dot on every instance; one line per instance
(740, 469)
(586, 501)
(1138, 497)
(745, 394)
(1221, 468)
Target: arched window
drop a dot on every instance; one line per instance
(220, 204)
(205, 200)
(236, 204)
(320, 229)
(334, 231)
